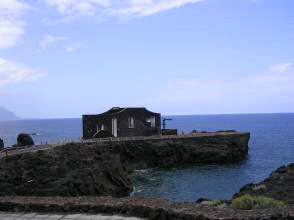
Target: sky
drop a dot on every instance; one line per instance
(65, 58)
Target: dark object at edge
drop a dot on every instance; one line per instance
(1, 144)
(24, 140)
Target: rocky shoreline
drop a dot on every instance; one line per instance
(161, 209)
(279, 185)
(103, 169)
(77, 178)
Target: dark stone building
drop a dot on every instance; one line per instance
(122, 122)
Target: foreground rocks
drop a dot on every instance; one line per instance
(279, 185)
(68, 170)
(60, 216)
(157, 209)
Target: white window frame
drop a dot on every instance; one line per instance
(152, 121)
(131, 121)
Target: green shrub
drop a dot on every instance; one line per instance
(247, 202)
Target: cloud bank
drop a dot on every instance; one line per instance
(123, 8)
(250, 93)
(49, 40)
(11, 25)
(11, 72)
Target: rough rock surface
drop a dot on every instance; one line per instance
(24, 140)
(69, 170)
(154, 209)
(95, 169)
(166, 153)
(279, 185)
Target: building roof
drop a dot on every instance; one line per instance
(118, 110)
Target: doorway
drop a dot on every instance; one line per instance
(114, 127)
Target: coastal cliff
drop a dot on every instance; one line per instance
(207, 148)
(99, 169)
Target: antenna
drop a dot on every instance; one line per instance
(164, 122)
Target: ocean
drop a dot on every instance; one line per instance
(271, 145)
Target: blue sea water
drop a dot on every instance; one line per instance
(271, 145)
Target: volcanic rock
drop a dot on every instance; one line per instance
(69, 170)
(279, 185)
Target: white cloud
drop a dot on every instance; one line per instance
(272, 89)
(281, 68)
(74, 47)
(11, 27)
(11, 72)
(123, 8)
(49, 39)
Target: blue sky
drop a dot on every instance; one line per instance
(64, 58)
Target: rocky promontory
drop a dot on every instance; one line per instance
(202, 148)
(279, 185)
(103, 168)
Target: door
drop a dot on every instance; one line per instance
(114, 127)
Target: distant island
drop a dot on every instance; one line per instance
(6, 115)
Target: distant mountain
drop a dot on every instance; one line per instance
(6, 115)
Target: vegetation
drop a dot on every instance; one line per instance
(248, 202)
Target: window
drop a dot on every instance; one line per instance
(131, 122)
(100, 127)
(151, 121)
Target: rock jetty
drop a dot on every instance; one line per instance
(99, 169)
(206, 148)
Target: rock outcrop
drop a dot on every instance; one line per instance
(24, 140)
(279, 185)
(68, 170)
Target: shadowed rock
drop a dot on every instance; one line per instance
(24, 140)
(279, 185)
(68, 170)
